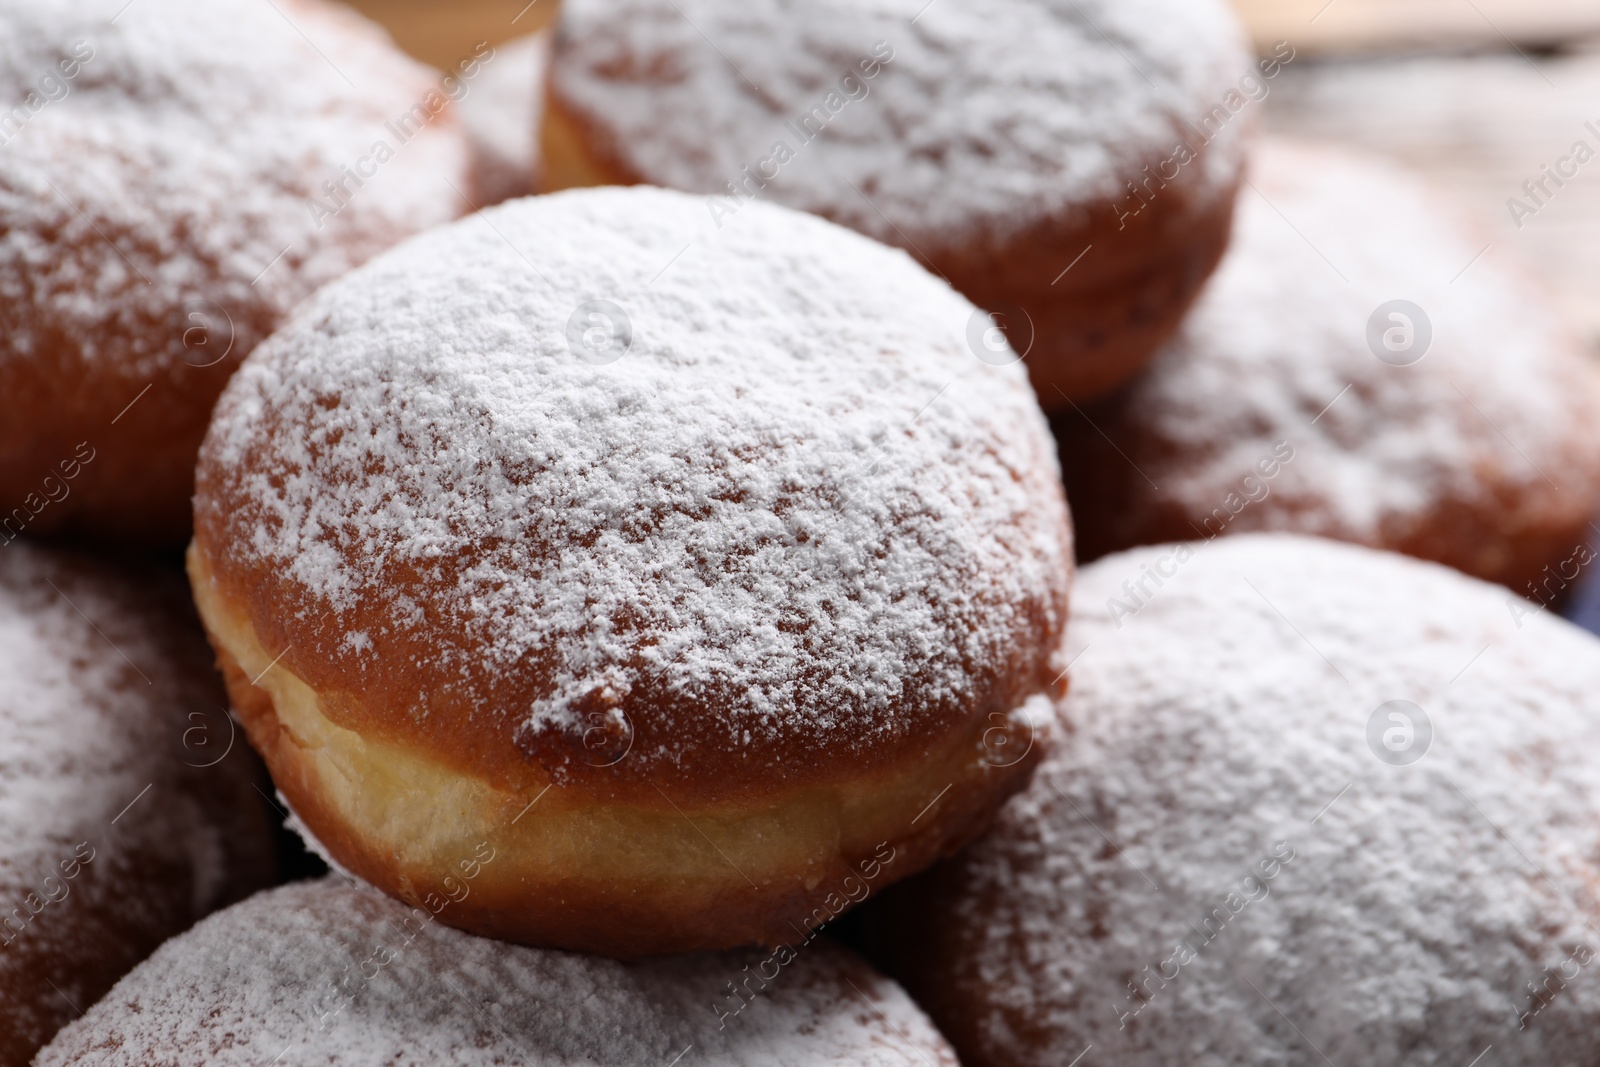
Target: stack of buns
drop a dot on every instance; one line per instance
(615, 588)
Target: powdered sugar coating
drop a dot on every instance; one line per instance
(1499, 417)
(126, 805)
(196, 137)
(291, 977)
(983, 119)
(501, 114)
(1231, 713)
(176, 175)
(796, 517)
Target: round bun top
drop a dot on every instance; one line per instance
(316, 972)
(754, 501)
(193, 137)
(1318, 798)
(922, 124)
(1409, 368)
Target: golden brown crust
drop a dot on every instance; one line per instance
(80, 471)
(1099, 323)
(1516, 535)
(472, 726)
(571, 868)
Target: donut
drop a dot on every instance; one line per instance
(175, 175)
(1068, 165)
(322, 972)
(1359, 368)
(714, 586)
(126, 807)
(501, 114)
(1321, 804)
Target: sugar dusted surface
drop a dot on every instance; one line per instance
(287, 978)
(108, 710)
(797, 518)
(1230, 713)
(1503, 410)
(193, 141)
(501, 113)
(988, 118)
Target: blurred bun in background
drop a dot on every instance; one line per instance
(1069, 167)
(1356, 369)
(129, 803)
(178, 175)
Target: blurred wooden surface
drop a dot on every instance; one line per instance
(1321, 26)
(1479, 127)
(443, 31)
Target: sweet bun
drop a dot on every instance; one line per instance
(1474, 442)
(501, 112)
(1322, 805)
(176, 175)
(126, 809)
(320, 973)
(1069, 165)
(694, 579)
